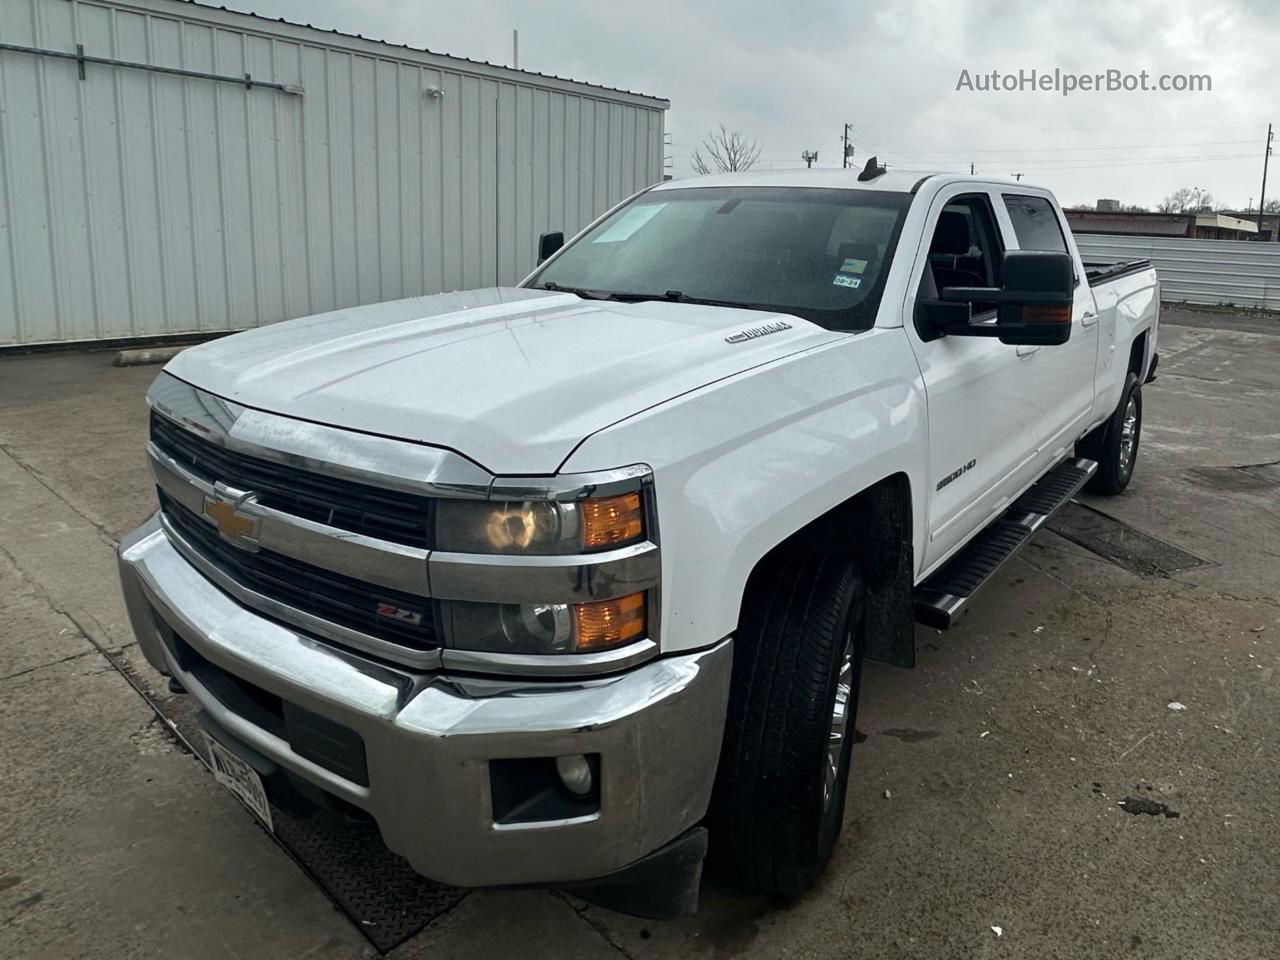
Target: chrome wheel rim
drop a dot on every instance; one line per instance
(839, 722)
(1128, 434)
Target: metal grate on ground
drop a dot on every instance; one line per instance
(378, 891)
(1123, 545)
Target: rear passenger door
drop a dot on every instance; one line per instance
(1063, 374)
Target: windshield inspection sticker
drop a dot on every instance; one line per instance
(853, 265)
(841, 280)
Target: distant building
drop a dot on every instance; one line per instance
(1197, 226)
(1270, 223)
(1105, 205)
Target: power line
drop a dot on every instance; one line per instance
(1093, 164)
(1004, 157)
(952, 168)
(1118, 146)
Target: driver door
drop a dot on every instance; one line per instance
(980, 392)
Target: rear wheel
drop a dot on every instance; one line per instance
(797, 670)
(1114, 444)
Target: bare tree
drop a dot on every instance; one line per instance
(1187, 200)
(727, 151)
(1134, 208)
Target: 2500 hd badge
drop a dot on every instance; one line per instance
(956, 474)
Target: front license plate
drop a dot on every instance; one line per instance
(241, 779)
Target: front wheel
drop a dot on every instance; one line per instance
(1114, 444)
(797, 669)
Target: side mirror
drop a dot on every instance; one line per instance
(1040, 285)
(1034, 305)
(548, 244)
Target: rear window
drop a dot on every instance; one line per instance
(1035, 223)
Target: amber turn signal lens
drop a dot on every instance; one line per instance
(610, 521)
(608, 623)
(1046, 314)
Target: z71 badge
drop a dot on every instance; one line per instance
(956, 474)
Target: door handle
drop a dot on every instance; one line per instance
(1026, 351)
(1088, 319)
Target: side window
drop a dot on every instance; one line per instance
(1035, 223)
(966, 250)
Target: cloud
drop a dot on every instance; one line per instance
(790, 74)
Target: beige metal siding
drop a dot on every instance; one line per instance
(135, 203)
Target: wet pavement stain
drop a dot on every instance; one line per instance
(909, 735)
(1152, 808)
(1245, 478)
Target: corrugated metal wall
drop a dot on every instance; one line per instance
(1236, 272)
(135, 203)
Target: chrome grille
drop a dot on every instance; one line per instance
(322, 593)
(357, 507)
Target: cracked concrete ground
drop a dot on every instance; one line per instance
(995, 787)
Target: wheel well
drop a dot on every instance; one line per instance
(1138, 355)
(874, 528)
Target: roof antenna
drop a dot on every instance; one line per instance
(871, 170)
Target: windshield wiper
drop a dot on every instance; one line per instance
(676, 296)
(582, 292)
(671, 296)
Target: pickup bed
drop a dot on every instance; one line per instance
(570, 582)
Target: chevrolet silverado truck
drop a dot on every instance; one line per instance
(571, 583)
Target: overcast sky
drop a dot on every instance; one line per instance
(790, 72)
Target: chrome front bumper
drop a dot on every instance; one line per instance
(429, 738)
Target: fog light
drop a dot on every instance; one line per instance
(575, 774)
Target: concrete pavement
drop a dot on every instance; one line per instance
(987, 793)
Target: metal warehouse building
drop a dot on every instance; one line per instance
(224, 170)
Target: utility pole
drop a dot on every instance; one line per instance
(1017, 176)
(809, 156)
(515, 49)
(1262, 196)
(971, 168)
(848, 147)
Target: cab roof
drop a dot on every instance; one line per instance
(899, 181)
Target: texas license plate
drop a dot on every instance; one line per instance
(241, 779)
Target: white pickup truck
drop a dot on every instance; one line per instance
(567, 582)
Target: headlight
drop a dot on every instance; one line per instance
(538, 527)
(544, 628)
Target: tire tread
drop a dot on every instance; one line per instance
(763, 818)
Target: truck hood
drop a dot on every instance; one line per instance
(510, 377)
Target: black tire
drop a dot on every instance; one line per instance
(772, 826)
(1107, 443)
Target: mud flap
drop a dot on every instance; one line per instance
(662, 886)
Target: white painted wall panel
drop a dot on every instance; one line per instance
(135, 203)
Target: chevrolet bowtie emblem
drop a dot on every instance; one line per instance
(239, 528)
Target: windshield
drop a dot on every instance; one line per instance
(818, 253)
